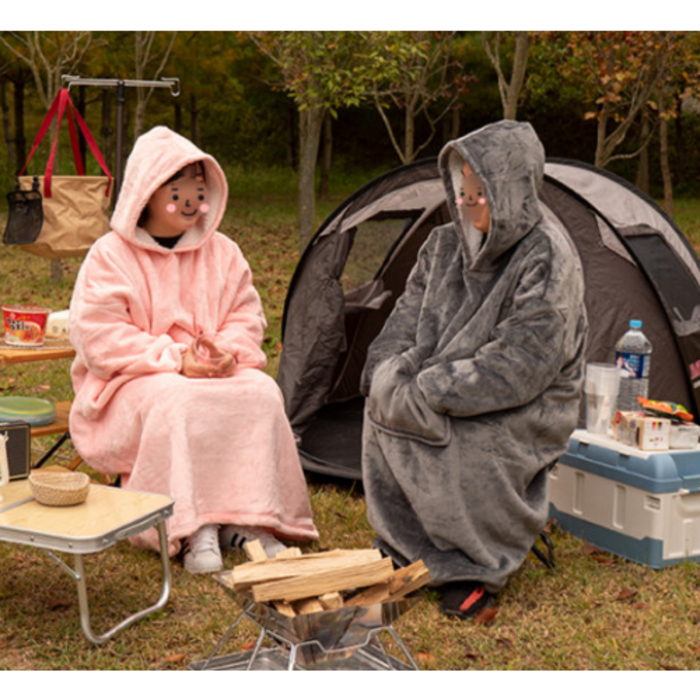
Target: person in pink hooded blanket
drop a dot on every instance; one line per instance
(213, 436)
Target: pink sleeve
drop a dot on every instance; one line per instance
(243, 321)
(108, 323)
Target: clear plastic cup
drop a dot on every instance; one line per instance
(602, 385)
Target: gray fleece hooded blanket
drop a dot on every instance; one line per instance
(474, 383)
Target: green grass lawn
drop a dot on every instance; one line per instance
(593, 611)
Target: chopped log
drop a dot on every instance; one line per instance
(255, 551)
(285, 608)
(253, 573)
(331, 601)
(404, 581)
(288, 553)
(342, 578)
(308, 606)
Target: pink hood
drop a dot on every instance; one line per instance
(156, 156)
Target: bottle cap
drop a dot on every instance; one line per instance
(635, 324)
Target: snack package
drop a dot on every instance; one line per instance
(665, 409)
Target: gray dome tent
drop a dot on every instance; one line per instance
(636, 262)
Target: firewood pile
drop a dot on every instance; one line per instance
(301, 584)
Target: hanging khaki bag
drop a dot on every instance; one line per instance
(76, 208)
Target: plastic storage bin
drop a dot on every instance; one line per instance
(644, 506)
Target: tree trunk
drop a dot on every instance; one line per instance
(642, 181)
(327, 157)
(310, 123)
(409, 143)
(517, 78)
(106, 129)
(194, 119)
(665, 167)
(177, 108)
(6, 125)
(455, 114)
(19, 137)
(600, 156)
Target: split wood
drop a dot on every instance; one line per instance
(301, 584)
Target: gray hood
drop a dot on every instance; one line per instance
(508, 158)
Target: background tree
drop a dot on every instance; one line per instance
(427, 85)
(14, 78)
(322, 72)
(509, 90)
(679, 82)
(151, 53)
(620, 71)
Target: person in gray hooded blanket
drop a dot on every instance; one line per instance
(474, 382)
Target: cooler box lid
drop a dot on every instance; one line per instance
(664, 471)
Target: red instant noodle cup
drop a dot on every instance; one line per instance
(25, 326)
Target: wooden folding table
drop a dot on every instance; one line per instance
(108, 516)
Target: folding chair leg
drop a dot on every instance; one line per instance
(546, 559)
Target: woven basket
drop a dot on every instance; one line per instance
(59, 488)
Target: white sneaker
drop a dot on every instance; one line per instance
(204, 555)
(235, 536)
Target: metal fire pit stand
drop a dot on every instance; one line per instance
(345, 639)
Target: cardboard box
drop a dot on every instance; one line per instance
(635, 429)
(641, 505)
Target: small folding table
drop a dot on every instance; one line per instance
(108, 516)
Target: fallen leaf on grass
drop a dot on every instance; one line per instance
(626, 594)
(43, 387)
(248, 646)
(59, 603)
(425, 656)
(485, 616)
(175, 658)
(472, 655)
(598, 554)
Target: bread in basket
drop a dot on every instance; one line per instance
(54, 488)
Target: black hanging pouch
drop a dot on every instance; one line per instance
(25, 215)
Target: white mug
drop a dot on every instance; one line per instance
(4, 465)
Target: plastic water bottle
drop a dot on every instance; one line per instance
(633, 358)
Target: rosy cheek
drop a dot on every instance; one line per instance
(171, 208)
(459, 202)
(482, 201)
(204, 208)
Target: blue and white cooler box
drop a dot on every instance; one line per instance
(644, 506)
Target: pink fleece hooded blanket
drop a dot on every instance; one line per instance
(222, 448)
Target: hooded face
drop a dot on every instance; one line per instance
(150, 188)
(176, 206)
(472, 200)
(497, 192)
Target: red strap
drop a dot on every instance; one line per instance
(58, 107)
(77, 157)
(472, 598)
(94, 149)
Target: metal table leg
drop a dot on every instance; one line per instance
(79, 575)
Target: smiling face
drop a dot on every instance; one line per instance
(472, 200)
(177, 206)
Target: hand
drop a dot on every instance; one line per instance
(224, 365)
